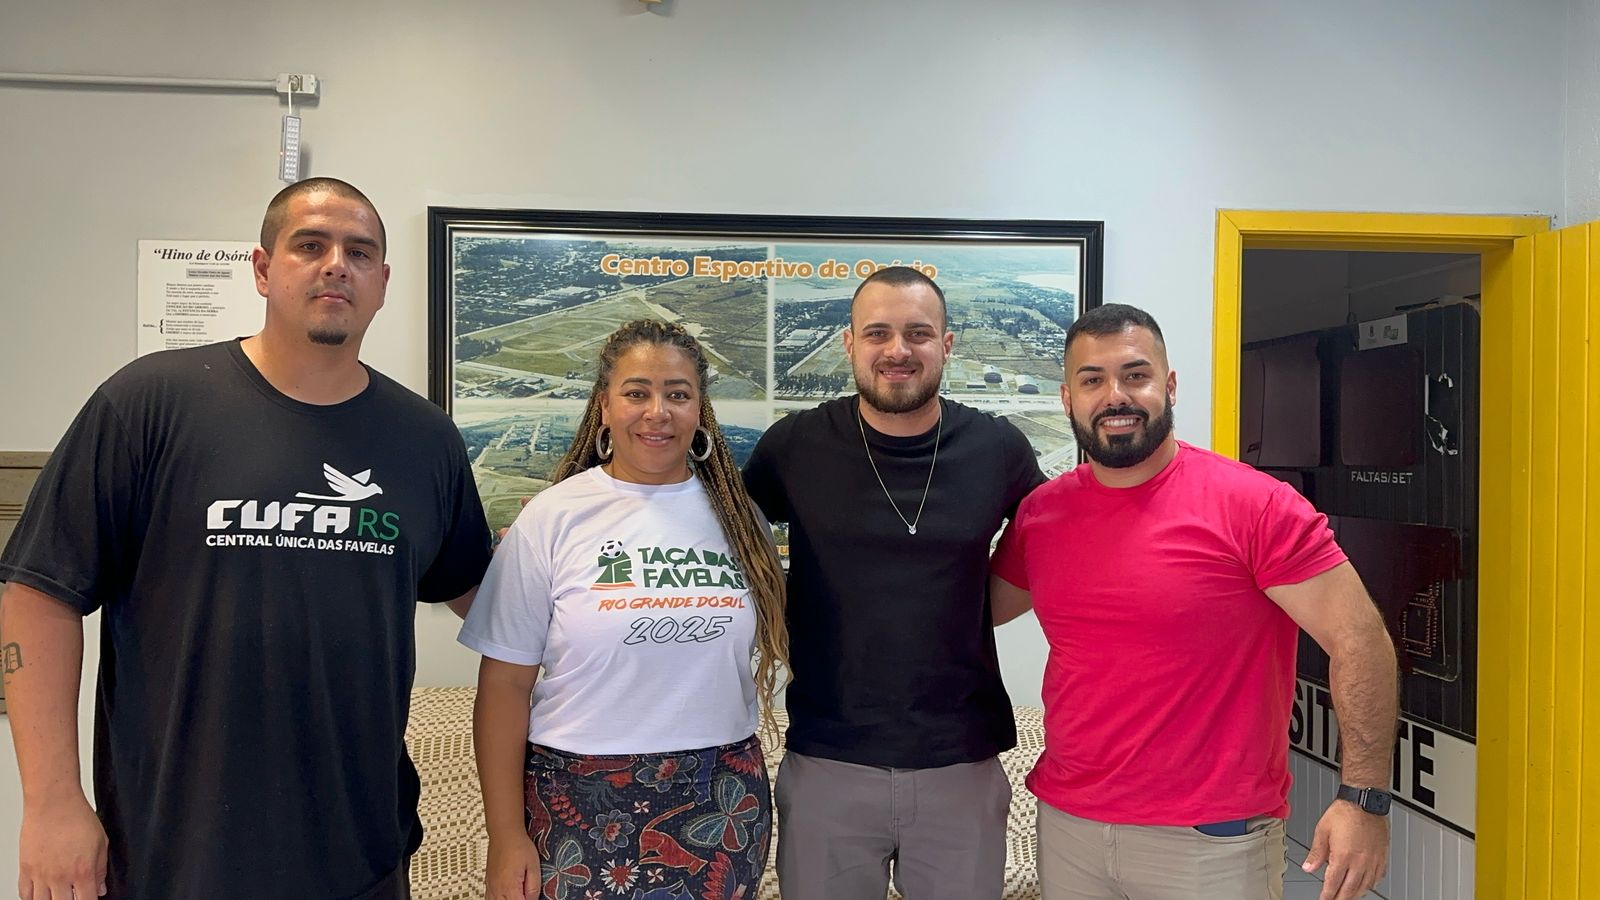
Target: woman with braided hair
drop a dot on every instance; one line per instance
(641, 584)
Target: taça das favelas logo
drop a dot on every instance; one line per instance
(616, 569)
(333, 524)
(665, 567)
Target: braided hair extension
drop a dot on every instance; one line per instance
(746, 535)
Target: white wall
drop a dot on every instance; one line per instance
(1149, 116)
(1582, 93)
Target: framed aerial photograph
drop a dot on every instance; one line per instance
(521, 301)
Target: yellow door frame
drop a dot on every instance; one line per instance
(1505, 805)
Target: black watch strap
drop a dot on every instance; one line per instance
(1372, 800)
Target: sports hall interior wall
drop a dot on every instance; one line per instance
(1147, 116)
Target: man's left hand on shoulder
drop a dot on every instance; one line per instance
(1355, 846)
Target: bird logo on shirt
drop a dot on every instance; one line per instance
(347, 488)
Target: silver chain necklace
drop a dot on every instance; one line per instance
(911, 526)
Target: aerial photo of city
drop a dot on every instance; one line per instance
(1010, 306)
(531, 313)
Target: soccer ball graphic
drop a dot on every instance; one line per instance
(611, 550)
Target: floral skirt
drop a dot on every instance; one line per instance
(689, 825)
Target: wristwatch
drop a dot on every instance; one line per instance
(1370, 800)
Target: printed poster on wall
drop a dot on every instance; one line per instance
(522, 301)
(195, 292)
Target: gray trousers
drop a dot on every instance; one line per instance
(841, 824)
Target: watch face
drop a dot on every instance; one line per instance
(1377, 803)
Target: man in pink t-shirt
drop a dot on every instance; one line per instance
(1171, 583)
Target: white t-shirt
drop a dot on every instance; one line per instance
(628, 597)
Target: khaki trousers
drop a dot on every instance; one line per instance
(1080, 859)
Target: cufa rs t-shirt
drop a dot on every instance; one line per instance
(256, 562)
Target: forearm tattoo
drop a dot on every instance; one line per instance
(12, 657)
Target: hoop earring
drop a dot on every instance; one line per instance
(705, 454)
(602, 443)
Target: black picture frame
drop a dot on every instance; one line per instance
(491, 275)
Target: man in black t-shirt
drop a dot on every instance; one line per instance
(255, 521)
(897, 711)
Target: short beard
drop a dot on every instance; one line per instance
(1123, 451)
(328, 336)
(894, 402)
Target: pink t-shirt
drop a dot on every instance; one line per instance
(1171, 674)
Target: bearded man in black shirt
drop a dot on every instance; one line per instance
(897, 711)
